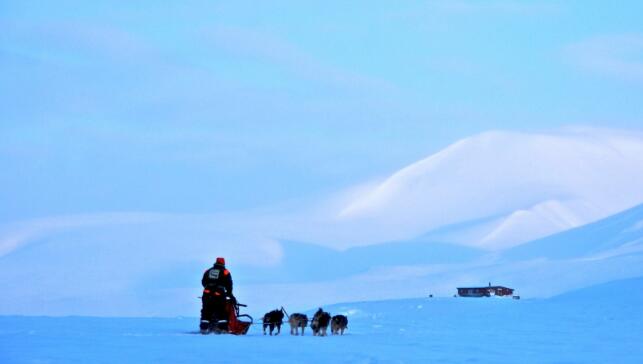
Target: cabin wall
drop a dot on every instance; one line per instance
(485, 291)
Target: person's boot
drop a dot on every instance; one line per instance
(219, 327)
(204, 326)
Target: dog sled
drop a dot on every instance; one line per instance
(236, 324)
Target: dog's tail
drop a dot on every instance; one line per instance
(285, 313)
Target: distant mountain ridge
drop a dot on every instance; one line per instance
(618, 234)
(625, 290)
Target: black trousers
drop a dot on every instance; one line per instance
(213, 308)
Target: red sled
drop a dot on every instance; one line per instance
(236, 324)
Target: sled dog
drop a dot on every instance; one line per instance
(338, 324)
(272, 319)
(320, 323)
(296, 321)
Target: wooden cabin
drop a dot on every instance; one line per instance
(485, 291)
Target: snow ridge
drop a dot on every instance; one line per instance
(538, 184)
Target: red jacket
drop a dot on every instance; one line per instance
(218, 279)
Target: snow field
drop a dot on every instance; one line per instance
(438, 330)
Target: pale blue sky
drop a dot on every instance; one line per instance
(210, 106)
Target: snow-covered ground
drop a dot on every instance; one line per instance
(597, 325)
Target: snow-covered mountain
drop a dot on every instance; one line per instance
(460, 217)
(154, 268)
(500, 189)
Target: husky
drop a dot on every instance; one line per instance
(338, 324)
(320, 323)
(296, 321)
(272, 319)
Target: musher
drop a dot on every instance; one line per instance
(217, 288)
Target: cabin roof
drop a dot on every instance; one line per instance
(485, 287)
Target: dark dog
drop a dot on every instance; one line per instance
(296, 321)
(338, 324)
(320, 322)
(272, 319)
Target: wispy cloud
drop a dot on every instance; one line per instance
(614, 55)
(229, 235)
(75, 43)
(497, 7)
(18, 234)
(271, 49)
